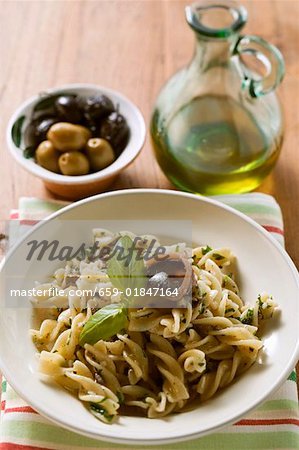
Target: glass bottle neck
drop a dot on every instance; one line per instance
(211, 52)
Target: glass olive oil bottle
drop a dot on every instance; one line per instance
(217, 127)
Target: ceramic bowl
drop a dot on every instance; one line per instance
(74, 187)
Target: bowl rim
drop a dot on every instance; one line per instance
(189, 436)
(103, 174)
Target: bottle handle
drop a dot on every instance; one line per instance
(269, 56)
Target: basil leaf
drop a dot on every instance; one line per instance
(104, 324)
(126, 268)
(16, 132)
(29, 152)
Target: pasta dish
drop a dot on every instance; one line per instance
(148, 357)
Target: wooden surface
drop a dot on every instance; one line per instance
(132, 46)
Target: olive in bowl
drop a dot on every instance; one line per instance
(47, 156)
(102, 171)
(115, 130)
(76, 128)
(99, 153)
(37, 130)
(73, 163)
(97, 107)
(98, 117)
(68, 109)
(67, 137)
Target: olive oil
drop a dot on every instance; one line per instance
(213, 145)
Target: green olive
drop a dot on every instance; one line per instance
(68, 137)
(47, 156)
(73, 163)
(99, 153)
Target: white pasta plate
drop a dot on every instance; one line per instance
(263, 266)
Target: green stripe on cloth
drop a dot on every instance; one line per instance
(251, 209)
(40, 433)
(35, 204)
(272, 405)
(251, 204)
(248, 441)
(220, 441)
(3, 386)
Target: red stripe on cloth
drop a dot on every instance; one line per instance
(10, 446)
(272, 229)
(2, 405)
(268, 422)
(21, 409)
(14, 215)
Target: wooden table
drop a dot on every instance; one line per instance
(132, 46)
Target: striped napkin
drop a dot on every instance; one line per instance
(274, 425)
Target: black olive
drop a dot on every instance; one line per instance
(159, 280)
(115, 130)
(41, 114)
(92, 126)
(95, 132)
(67, 109)
(174, 272)
(37, 130)
(97, 107)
